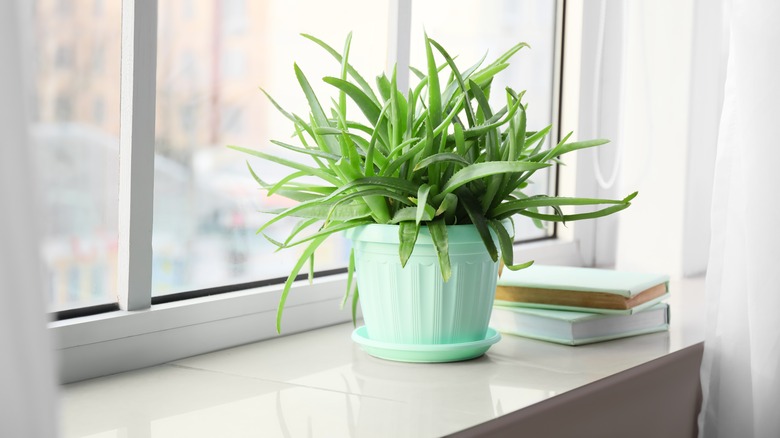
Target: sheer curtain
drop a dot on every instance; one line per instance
(27, 381)
(741, 365)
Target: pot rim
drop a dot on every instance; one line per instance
(388, 233)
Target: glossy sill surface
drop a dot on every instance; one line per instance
(320, 383)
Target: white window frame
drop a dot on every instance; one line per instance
(141, 334)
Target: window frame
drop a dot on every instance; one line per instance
(141, 333)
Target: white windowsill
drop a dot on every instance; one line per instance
(122, 341)
(319, 383)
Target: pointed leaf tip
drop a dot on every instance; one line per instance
(520, 266)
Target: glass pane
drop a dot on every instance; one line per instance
(212, 56)
(75, 131)
(468, 30)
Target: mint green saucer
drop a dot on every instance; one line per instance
(424, 353)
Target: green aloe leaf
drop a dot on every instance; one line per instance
(519, 266)
(512, 207)
(510, 53)
(372, 154)
(481, 99)
(505, 241)
(517, 140)
(330, 229)
(300, 226)
(438, 230)
(410, 214)
(566, 148)
(481, 170)
(460, 140)
(307, 253)
(287, 179)
(355, 299)
(325, 176)
(407, 236)
(484, 76)
(402, 147)
(458, 77)
(456, 108)
(312, 152)
(434, 93)
(454, 86)
(396, 164)
(365, 183)
(537, 138)
(416, 71)
(311, 269)
(575, 217)
(317, 209)
(395, 112)
(422, 202)
(448, 204)
(342, 105)
(383, 84)
(317, 113)
(444, 157)
(479, 220)
(492, 123)
(489, 71)
(279, 108)
(350, 277)
(352, 72)
(297, 192)
(279, 245)
(367, 105)
(365, 195)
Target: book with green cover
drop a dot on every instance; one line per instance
(581, 289)
(578, 328)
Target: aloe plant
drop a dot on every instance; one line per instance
(435, 155)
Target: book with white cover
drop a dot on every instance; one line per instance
(577, 328)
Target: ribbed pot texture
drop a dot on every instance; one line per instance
(413, 305)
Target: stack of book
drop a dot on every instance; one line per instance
(577, 306)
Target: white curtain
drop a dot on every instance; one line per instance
(741, 365)
(27, 380)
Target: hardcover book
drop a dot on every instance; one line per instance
(581, 289)
(577, 328)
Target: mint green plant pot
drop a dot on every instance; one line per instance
(413, 305)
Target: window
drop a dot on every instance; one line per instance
(98, 111)
(188, 9)
(231, 120)
(99, 7)
(203, 204)
(207, 230)
(64, 57)
(64, 7)
(234, 16)
(75, 130)
(63, 108)
(502, 24)
(188, 118)
(233, 64)
(98, 58)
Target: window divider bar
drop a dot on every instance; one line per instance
(557, 96)
(399, 30)
(136, 151)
